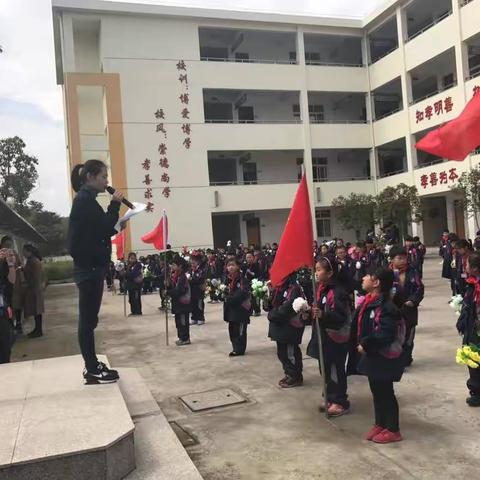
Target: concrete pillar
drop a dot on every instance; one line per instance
(450, 213)
(472, 227)
(417, 230)
(68, 50)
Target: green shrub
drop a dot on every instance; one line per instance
(59, 272)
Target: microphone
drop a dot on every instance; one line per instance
(111, 191)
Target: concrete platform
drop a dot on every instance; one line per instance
(54, 427)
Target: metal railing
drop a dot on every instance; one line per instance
(282, 122)
(383, 55)
(429, 164)
(339, 122)
(432, 94)
(248, 60)
(342, 179)
(236, 183)
(430, 25)
(333, 64)
(391, 174)
(474, 72)
(388, 114)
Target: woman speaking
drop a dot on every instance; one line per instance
(89, 234)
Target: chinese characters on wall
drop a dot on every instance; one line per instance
(184, 102)
(437, 108)
(441, 178)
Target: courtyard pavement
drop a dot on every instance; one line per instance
(279, 434)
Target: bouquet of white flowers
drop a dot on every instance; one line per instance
(456, 303)
(259, 289)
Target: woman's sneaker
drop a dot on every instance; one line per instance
(102, 374)
(386, 436)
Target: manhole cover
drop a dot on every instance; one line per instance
(212, 399)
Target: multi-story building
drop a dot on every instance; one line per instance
(212, 114)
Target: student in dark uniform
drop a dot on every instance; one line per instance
(286, 326)
(214, 273)
(462, 252)
(421, 252)
(7, 280)
(134, 279)
(469, 321)
(250, 270)
(237, 307)
(334, 315)
(359, 262)
(198, 278)
(374, 259)
(178, 289)
(378, 333)
(413, 258)
(408, 292)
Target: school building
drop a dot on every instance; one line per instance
(212, 114)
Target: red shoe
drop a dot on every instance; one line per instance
(336, 410)
(373, 432)
(386, 436)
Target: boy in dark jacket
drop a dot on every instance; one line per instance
(198, 278)
(378, 333)
(408, 292)
(468, 324)
(286, 326)
(178, 289)
(236, 308)
(250, 270)
(462, 252)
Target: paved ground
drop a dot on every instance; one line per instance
(278, 434)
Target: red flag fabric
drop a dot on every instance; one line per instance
(295, 250)
(457, 138)
(159, 235)
(119, 241)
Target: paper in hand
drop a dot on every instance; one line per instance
(139, 207)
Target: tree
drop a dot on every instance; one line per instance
(469, 188)
(355, 212)
(18, 171)
(399, 205)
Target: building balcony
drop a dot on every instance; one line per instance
(394, 179)
(326, 192)
(386, 69)
(472, 86)
(469, 15)
(337, 78)
(388, 128)
(436, 109)
(383, 40)
(341, 135)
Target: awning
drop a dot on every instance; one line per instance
(11, 223)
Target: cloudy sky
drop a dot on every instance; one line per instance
(31, 102)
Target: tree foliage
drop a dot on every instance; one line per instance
(356, 211)
(468, 187)
(18, 171)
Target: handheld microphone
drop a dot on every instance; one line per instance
(111, 191)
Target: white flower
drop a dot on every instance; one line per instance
(300, 304)
(188, 276)
(215, 282)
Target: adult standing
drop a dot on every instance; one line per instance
(134, 278)
(89, 240)
(7, 280)
(34, 297)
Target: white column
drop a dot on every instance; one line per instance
(450, 214)
(68, 50)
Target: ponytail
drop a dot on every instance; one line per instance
(81, 171)
(33, 250)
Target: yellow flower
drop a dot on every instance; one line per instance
(472, 364)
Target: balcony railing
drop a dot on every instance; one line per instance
(339, 122)
(333, 64)
(248, 60)
(283, 122)
(383, 55)
(430, 25)
(474, 72)
(385, 115)
(391, 174)
(342, 179)
(432, 94)
(229, 183)
(429, 164)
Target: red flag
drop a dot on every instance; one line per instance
(457, 138)
(295, 249)
(119, 241)
(159, 235)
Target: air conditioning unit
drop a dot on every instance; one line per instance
(216, 199)
(319, 194)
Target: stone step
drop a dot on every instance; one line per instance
(158, 451)
(55, 428)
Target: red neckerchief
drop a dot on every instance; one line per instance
(475, 281)
(232, 279)
(175, 277)
(320, 289)
(464, 262)
(369, 299)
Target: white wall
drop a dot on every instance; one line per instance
(339, 107)
(86, 45)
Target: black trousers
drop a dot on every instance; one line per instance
(238, 336)
(409, 344)
(335, 357)
(135, 300)
(38, 323)
(89, 301)
(256, 304)
(183, 326)
(473, 383)
(385, 404)
(198, 309)
(290, 356)
(6, 336)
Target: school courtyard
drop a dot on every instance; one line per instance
(279, 434)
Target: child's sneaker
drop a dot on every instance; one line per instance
(291, 382)
(373, 432)
(336, 410)
(473, 401)
(180, 343)
(193, 322)
(386, 436)
(102, 374)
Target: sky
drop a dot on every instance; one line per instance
(31, 101)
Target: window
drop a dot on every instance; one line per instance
(296, 111)
(316, 113)
(324, 228)
(320, 166)
(312, 57)
(250, 173)
(242, 56)
(448, 80)
(292, 56)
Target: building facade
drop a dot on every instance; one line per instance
(212, 115)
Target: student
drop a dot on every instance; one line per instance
(374, 259)
(359, 262)
(421, 252)
(467, 324)
(214, 272)
(476, 242)
(7, 280)
(378, 333)
(178, 289)
(134, 283)
(343, 266)
(408, 292)
(286, 309)
(198, 278)
(413, 258)
(250, 269)
(462, 252)
(334, 315)
(236, 308)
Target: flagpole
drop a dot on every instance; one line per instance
(165, 267)
(124, 281)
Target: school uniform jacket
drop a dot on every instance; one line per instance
(468, 322)
(197, 282)
(237, 305)
(180, 294)
(413, 291)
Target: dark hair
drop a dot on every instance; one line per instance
(326, 264)
(340, 247)
(33, 250)
(180, 261)
(462, 244)
(474, 260)
(236, 261)
(416, 239)
(385, 276)
(361, 244)
(80, 172)
(142, 259)
(453, 237)
(5, 239)
(397, 250)
(409, 238)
